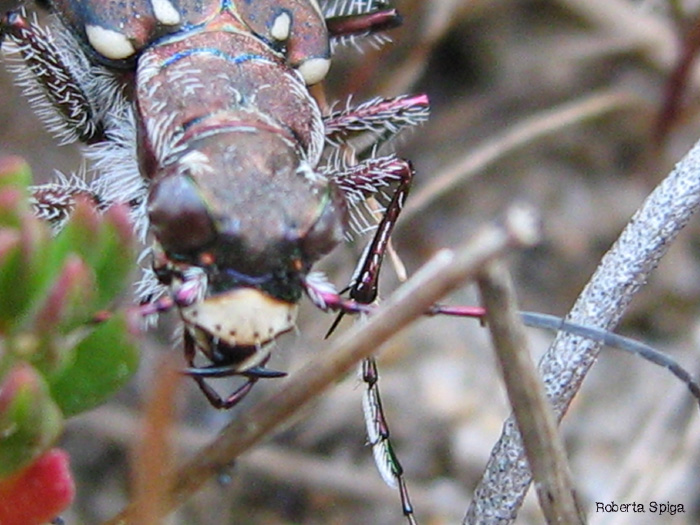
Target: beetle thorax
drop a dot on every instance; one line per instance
(192, 87)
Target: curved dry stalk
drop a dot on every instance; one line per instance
(526, 132)
(446, 271)
(621, 273)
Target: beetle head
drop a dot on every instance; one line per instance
(238, 226)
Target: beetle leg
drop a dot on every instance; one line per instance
(54, 201)
(366, 178)
(361, 24)
(358, 182)
(363, 289)
(77, 101)
(52, 77)
(324, 295)
(349, 21)
(383, 118)
(385, 458)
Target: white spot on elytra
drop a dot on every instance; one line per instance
(109, 43)
(281, 26)
(314, 70)
(165, 12)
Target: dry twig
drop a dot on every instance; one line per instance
(536, 421)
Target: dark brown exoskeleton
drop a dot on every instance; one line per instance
(197, 114)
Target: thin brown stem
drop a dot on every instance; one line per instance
(152, 463)
(533, 413)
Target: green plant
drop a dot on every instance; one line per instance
(60, 353)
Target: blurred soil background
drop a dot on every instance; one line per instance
(558, 103)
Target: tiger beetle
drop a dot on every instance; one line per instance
(198, 115)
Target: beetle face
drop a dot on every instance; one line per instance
(234, 258)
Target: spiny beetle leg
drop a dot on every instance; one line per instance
(379, 116)
(54, 202)
(363, 287)
(363, 23)
(60, 97)
(360, 181)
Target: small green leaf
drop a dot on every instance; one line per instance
(80, 235)
(102, 363)
(24, 270)
(114, 262)
(29, 420)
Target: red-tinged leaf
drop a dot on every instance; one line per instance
(69, 299)
(30, 421)
(39, 492)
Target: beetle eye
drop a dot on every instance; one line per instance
(179, 216)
